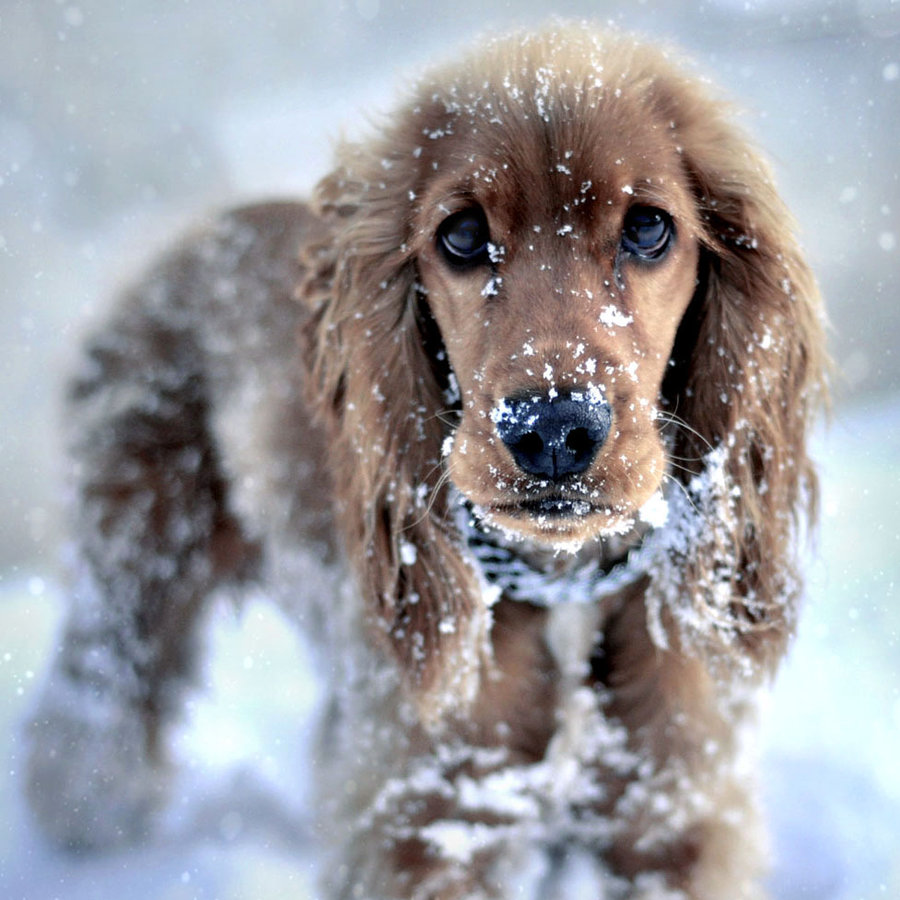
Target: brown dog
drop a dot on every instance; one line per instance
(512, 417)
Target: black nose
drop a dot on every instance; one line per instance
(553, 437)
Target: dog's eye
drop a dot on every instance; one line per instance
(647, 232)
(464, 237)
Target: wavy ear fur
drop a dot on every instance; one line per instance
(747, 376)
(375, 385)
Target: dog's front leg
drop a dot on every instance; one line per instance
(416, 813)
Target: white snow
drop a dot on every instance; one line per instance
(612, 316)
(655, 511)
(408, 553)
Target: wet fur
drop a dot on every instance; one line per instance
(274, 400)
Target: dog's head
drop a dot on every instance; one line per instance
(559, 276)
(556, 239)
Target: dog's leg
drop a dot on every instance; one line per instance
(450, 815)
(686, 824)
(151, 532)
(452, 824)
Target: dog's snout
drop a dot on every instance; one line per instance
(553, 437)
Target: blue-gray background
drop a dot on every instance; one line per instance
(120, 120)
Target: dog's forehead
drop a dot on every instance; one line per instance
(592, 157)
(549, 135)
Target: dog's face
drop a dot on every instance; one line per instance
(557, 255)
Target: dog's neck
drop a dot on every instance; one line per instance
(526, 571)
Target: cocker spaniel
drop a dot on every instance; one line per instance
(512, 417)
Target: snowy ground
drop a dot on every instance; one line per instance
(117, 119)
(236, 831)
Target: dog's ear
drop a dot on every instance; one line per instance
(375, 386)
(747, 370)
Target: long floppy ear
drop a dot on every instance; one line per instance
(375, 385)
(747, 377)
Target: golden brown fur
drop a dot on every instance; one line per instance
(314, 390)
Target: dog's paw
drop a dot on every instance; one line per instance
(90, 781)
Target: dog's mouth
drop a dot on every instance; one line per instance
(555, 508)
(559, 512)
(557, 520)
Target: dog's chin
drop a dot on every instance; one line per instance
(558, 522)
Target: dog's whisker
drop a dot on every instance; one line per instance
(672, 419)
(683, 464)
(670, 479)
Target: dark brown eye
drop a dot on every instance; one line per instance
(464, 236)
(647, 232)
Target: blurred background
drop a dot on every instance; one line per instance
(121, 121)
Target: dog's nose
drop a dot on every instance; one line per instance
(553, 437)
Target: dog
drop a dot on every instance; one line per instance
(511, 417)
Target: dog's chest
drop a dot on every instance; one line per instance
(571, 633)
